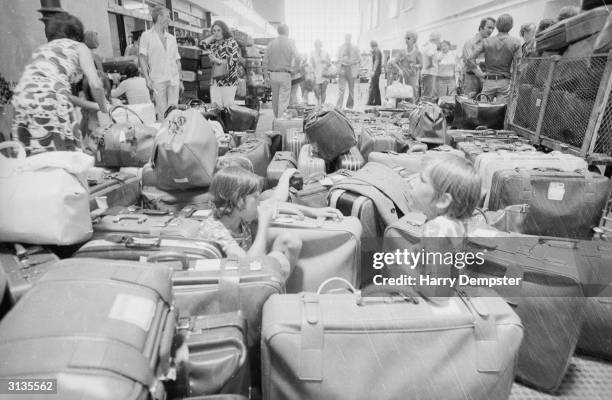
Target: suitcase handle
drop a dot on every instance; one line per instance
(338, 279)
(170, 256)
(138, 218)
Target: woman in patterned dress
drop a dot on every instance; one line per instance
(44, 106)
(223, 47)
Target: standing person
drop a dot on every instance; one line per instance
(320, 63)
(132, 49)
(409, 62)
(374, 91)
(348, 56)
(277, 68)
(160, 62)
(502, 53)
(447, 63)
(297, 78)
(528, 32)
(90, 38)
(223, 49)
(430, 66)
(44, 117)
(471, 85)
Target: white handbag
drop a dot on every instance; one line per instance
(45, 197)
(399, 90)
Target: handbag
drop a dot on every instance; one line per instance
(399, 90)
(220, 71)
(44, 198)
(470, 114)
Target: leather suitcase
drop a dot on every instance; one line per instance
(572, 29)
(256, 150)
(550, 299)
(190, 65)
(345, 346)
(218, 356)
(251, 51)
(239, 118)
(362, 207)
(330, 132)
(562, 204)
(315, 190)
(375, 138)
(455, 136)
(146, 222)
(329, 248)
(283, 125)
(473, 149)
(486, 164)
(309, 164)
(22, 266)
(293, 140)
(351, 161)
(103, 329)
(173, 201)
(470, 114)
(281, 161)
(114, 189)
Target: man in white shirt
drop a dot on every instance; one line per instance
(430, 66)
(160, 61)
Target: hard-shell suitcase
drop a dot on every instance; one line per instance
(281, 161)
(309, 164)
(487, 163)
(293, 140)
(329, 248)
(218, 356)
(114, 189)
(377, 138)
(256, 150)
(146, 222)
(345, 346)
(562, 204)
(572, 29)
(455, 136)
(22, 267)
(549, 299)
(352, 161)
(103, 329)
(174, 201)
(362, 207)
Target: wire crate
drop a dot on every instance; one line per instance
(565, 104)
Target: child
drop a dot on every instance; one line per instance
(134, 87)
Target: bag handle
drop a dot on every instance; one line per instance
(13, 144)
(170, 256)
(197, 102)
(479, 95)
(127, 110)
(337, 279)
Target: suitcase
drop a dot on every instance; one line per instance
(351, 161)
(362, 207)
(411, 162)
(472, 113)
(239, 118)
(281, 161)
(549, 300)
(256, 150)
(174, 201)
(330, 132)
(283, 125)
(486, 164)
(562, 204)
(310, 164)
(315, 190)
(190, 65)
(572, 29)
(374, 138)
(205, 61)
(145, 222)
(103, 329)
(456, 136)
(329, 248)
(190, 53)
(473, 149)
(22, 266)
(293, 140)
(345, 346)
(114, 189)
(218, 356)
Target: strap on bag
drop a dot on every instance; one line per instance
(229, 286)
(126, 118)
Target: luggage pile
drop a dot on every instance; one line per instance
(196, 72)
(156, 311)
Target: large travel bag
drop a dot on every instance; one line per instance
(470, 114)
(486, 164)
(549, 300)
(122, 144)
(293, 140)
(329, 248)
(145, 222)
(174, 201)
(103, 329)
(455, 136)
(351, 161)
(256, 151)
(309, 163)
(377, 138)
(572, 29)
(282, 161)
(330, 132)
(22, 267)
(473, 149)
(428, 124)
(562, 204)
(114, 189)
(218, 356)
(239, 118)
(348, 346)
(185, 151)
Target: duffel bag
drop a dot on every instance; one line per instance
(175, 200)
(470, 114)
(329, 248)
(44, 197)
(122, 144)
(562, 204)
(330, 132)
(239, 118)
(428, 124)
(255, 150)
(102, 328)
(185, 151)
(349, 346)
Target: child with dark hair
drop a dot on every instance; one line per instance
(134, 87)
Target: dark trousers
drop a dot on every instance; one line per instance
(374, 92)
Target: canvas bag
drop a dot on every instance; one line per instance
(185, 151)
(399, 90)
(44, 198)
(428, 124)
(330, 132)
